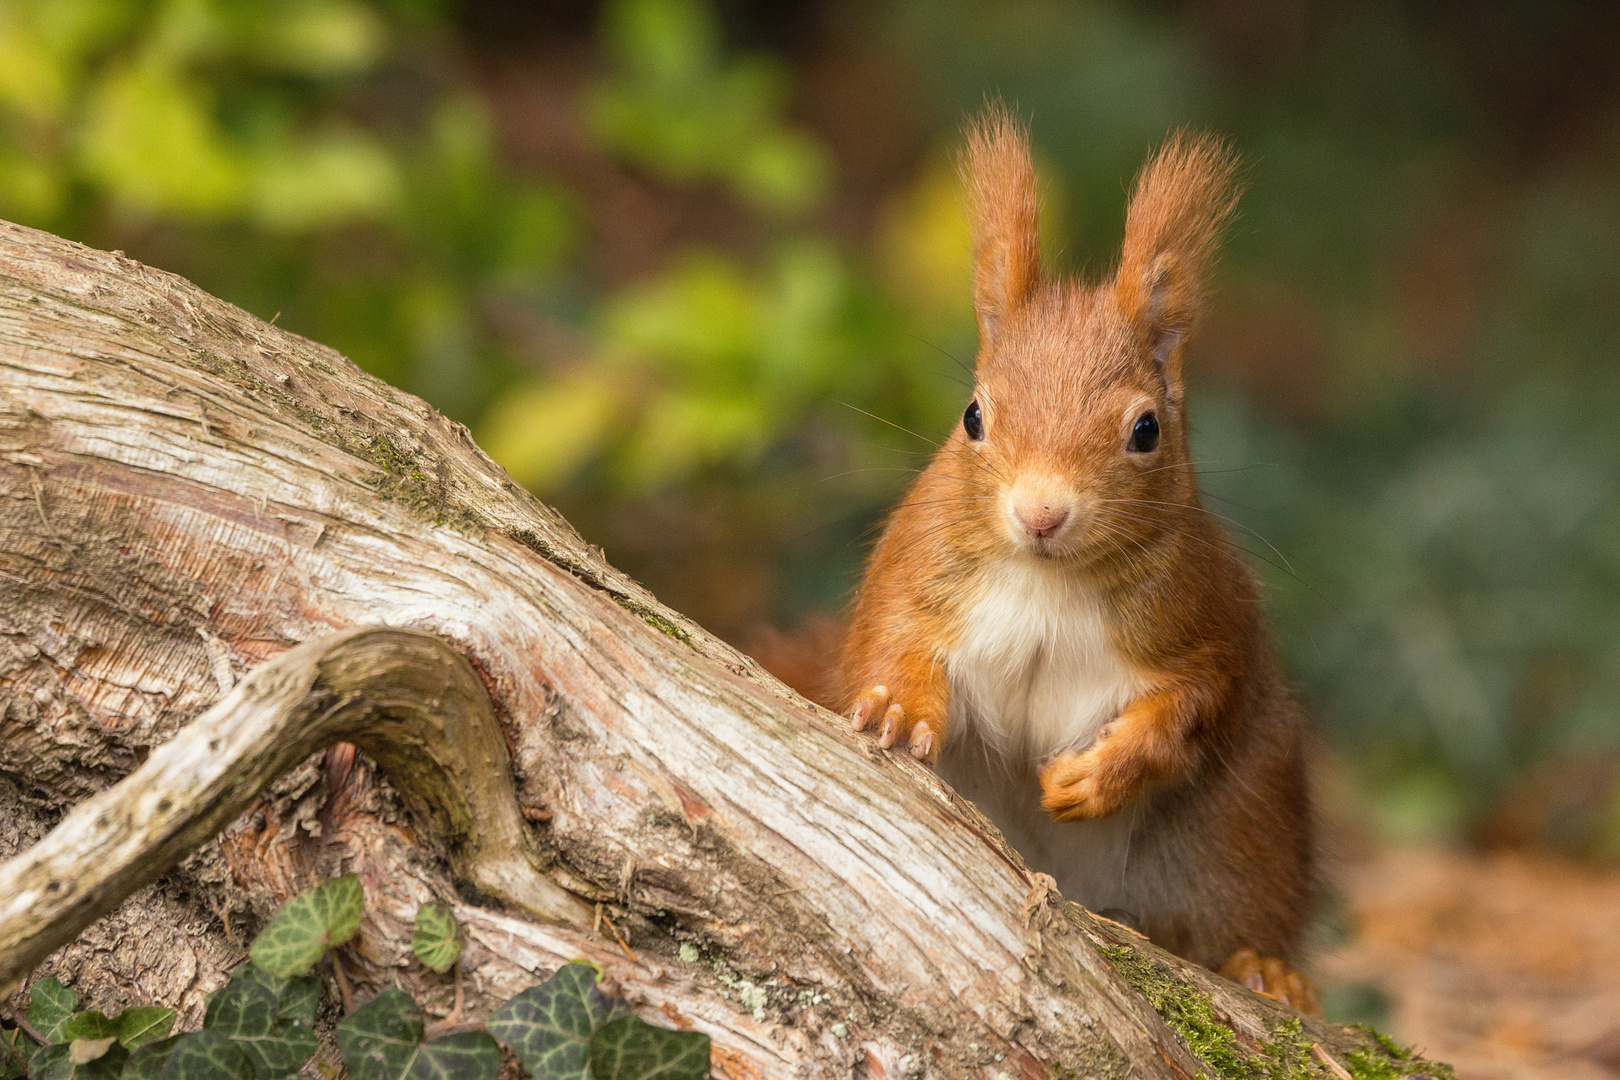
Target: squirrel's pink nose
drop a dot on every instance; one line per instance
(1042, 519)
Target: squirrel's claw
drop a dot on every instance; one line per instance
(875, 702)
(923, 744)
(894, 720)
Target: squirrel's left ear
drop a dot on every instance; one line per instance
(1182, 202)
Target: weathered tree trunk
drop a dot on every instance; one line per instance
(187, 493)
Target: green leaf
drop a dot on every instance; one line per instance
(629, 1048)
(433, 937)
(90, 1025)
(296, 999)
(50, 1007)
(379, 1040)
(550, 1026)
(16, 1049)
(382, 1040)
(147, 1062)
(469, 1055)
(206, 1055)
(143, 1024)
(249, 1013)
(78, 1060)
(307, 925)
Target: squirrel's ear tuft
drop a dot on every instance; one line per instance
(1182, 203)
(1000, 178)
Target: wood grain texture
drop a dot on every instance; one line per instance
(187, 492)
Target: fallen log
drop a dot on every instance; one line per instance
(198, 511)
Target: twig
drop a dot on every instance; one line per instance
(28, 1030)
(616, 936)
(343, 984)
(452, 1023)
(1339, 1072)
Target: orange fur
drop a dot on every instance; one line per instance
(1208, 753)
(1000, 177)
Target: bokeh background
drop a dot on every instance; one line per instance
(693, 270)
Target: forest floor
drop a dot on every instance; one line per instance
(1506, 965)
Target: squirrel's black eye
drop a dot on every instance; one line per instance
(973, 422)
(1145, 435)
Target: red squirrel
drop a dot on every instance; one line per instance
(1053, 616)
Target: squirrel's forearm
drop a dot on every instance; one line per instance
(1156, 739)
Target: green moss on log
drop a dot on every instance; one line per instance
(1288, 1052)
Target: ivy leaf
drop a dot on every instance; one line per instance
(296, 999)
(629, 1048)
(90, 1025)
(82, 1059)
(549, 1026)
(16, 1049)
(147, 1062)
(378, 1040)
(469, 1055)
(143, 1024)
(206, 1055)
(382, 1040)
(50, 1007)
(433, 937)
(249, 1013)
(307, 925)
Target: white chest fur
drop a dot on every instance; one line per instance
(1036, 673)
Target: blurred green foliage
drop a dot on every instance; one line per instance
(1407, 387)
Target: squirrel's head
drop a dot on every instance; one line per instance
(1075, 442)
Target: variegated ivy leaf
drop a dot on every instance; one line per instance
(433, 937)
(147, 1062)
(296, 999)
(50, 1007)
(382, 1040)
(249, 1013)
(307, 925)
(550, 1026)
(206, 1055)
(629, 1048)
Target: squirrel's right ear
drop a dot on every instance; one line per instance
(1000, 178)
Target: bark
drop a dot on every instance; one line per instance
(187, 493)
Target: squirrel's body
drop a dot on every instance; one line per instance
(1052, 612)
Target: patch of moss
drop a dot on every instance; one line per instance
(403, 481)
(654, 619)
(1286, 1055)
(1189, 1012)
(1395, 1061)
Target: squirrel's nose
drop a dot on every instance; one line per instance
(1042, 519)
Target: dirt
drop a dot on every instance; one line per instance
(1505, 965)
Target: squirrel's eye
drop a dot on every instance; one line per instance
(1145, 435)
(973, 422)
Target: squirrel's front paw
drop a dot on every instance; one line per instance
(876, 705)
(1076, 786)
